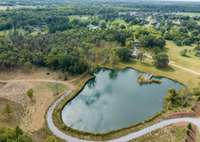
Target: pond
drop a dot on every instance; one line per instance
(113, 100)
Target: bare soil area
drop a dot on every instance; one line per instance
(36, 73)
(43, 95)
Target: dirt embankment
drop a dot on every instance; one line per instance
(34, 111)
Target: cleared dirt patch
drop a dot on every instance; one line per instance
(2, 84)
(38, 73)
(34, 110)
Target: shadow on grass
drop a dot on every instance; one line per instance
(146, 64)
(187, 56)
(167, 69)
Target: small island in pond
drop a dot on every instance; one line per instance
(142, 79)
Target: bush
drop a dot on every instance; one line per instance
(184, 52)
(51, 139)
(178, 42)
(30, 93)
(161, 60)
(124, 54)
(176, 99)
(13, 135)
(187, 41)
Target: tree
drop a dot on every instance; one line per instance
(189, 126)
(187, 41)
(141, 56)
(151, 41)
(51, 139)
(175, 99)
(28, 65)
(161, 60)
(124, 54)
(18, 131)
(197, 50)
(57, 24)
(120, 37)
(30, 94)
(171, 99)
(184, 52)
(103, 24)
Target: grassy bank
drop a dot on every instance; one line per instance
(114, 134)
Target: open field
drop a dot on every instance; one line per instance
(35, 109)
(189, 79)
(191, 14)
(37, 73)
(32, 111)
(190, 61)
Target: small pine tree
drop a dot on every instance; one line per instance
(30, 94)
(190, 126)
(18, 131)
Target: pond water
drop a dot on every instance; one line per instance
(114, 100)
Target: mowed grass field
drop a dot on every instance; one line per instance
(190, 61)
(187, 78)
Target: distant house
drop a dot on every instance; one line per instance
(176, 22)
(153, 22)
(157, 25)
(135, 52)
(136, 44)
(135, 49)
(93, 27)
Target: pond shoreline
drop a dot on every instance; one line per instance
(111, 134)
(128, 136)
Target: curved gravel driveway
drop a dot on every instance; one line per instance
(125, 138)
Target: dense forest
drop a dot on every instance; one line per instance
(76, 38)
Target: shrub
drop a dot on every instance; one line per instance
(30, 93)
(184, 52)
(51, 139)
(161, 60)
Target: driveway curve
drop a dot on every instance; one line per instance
(128, 137)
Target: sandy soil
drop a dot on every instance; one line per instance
(34, 114)
(39, 73)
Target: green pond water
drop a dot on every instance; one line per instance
(114, 100)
